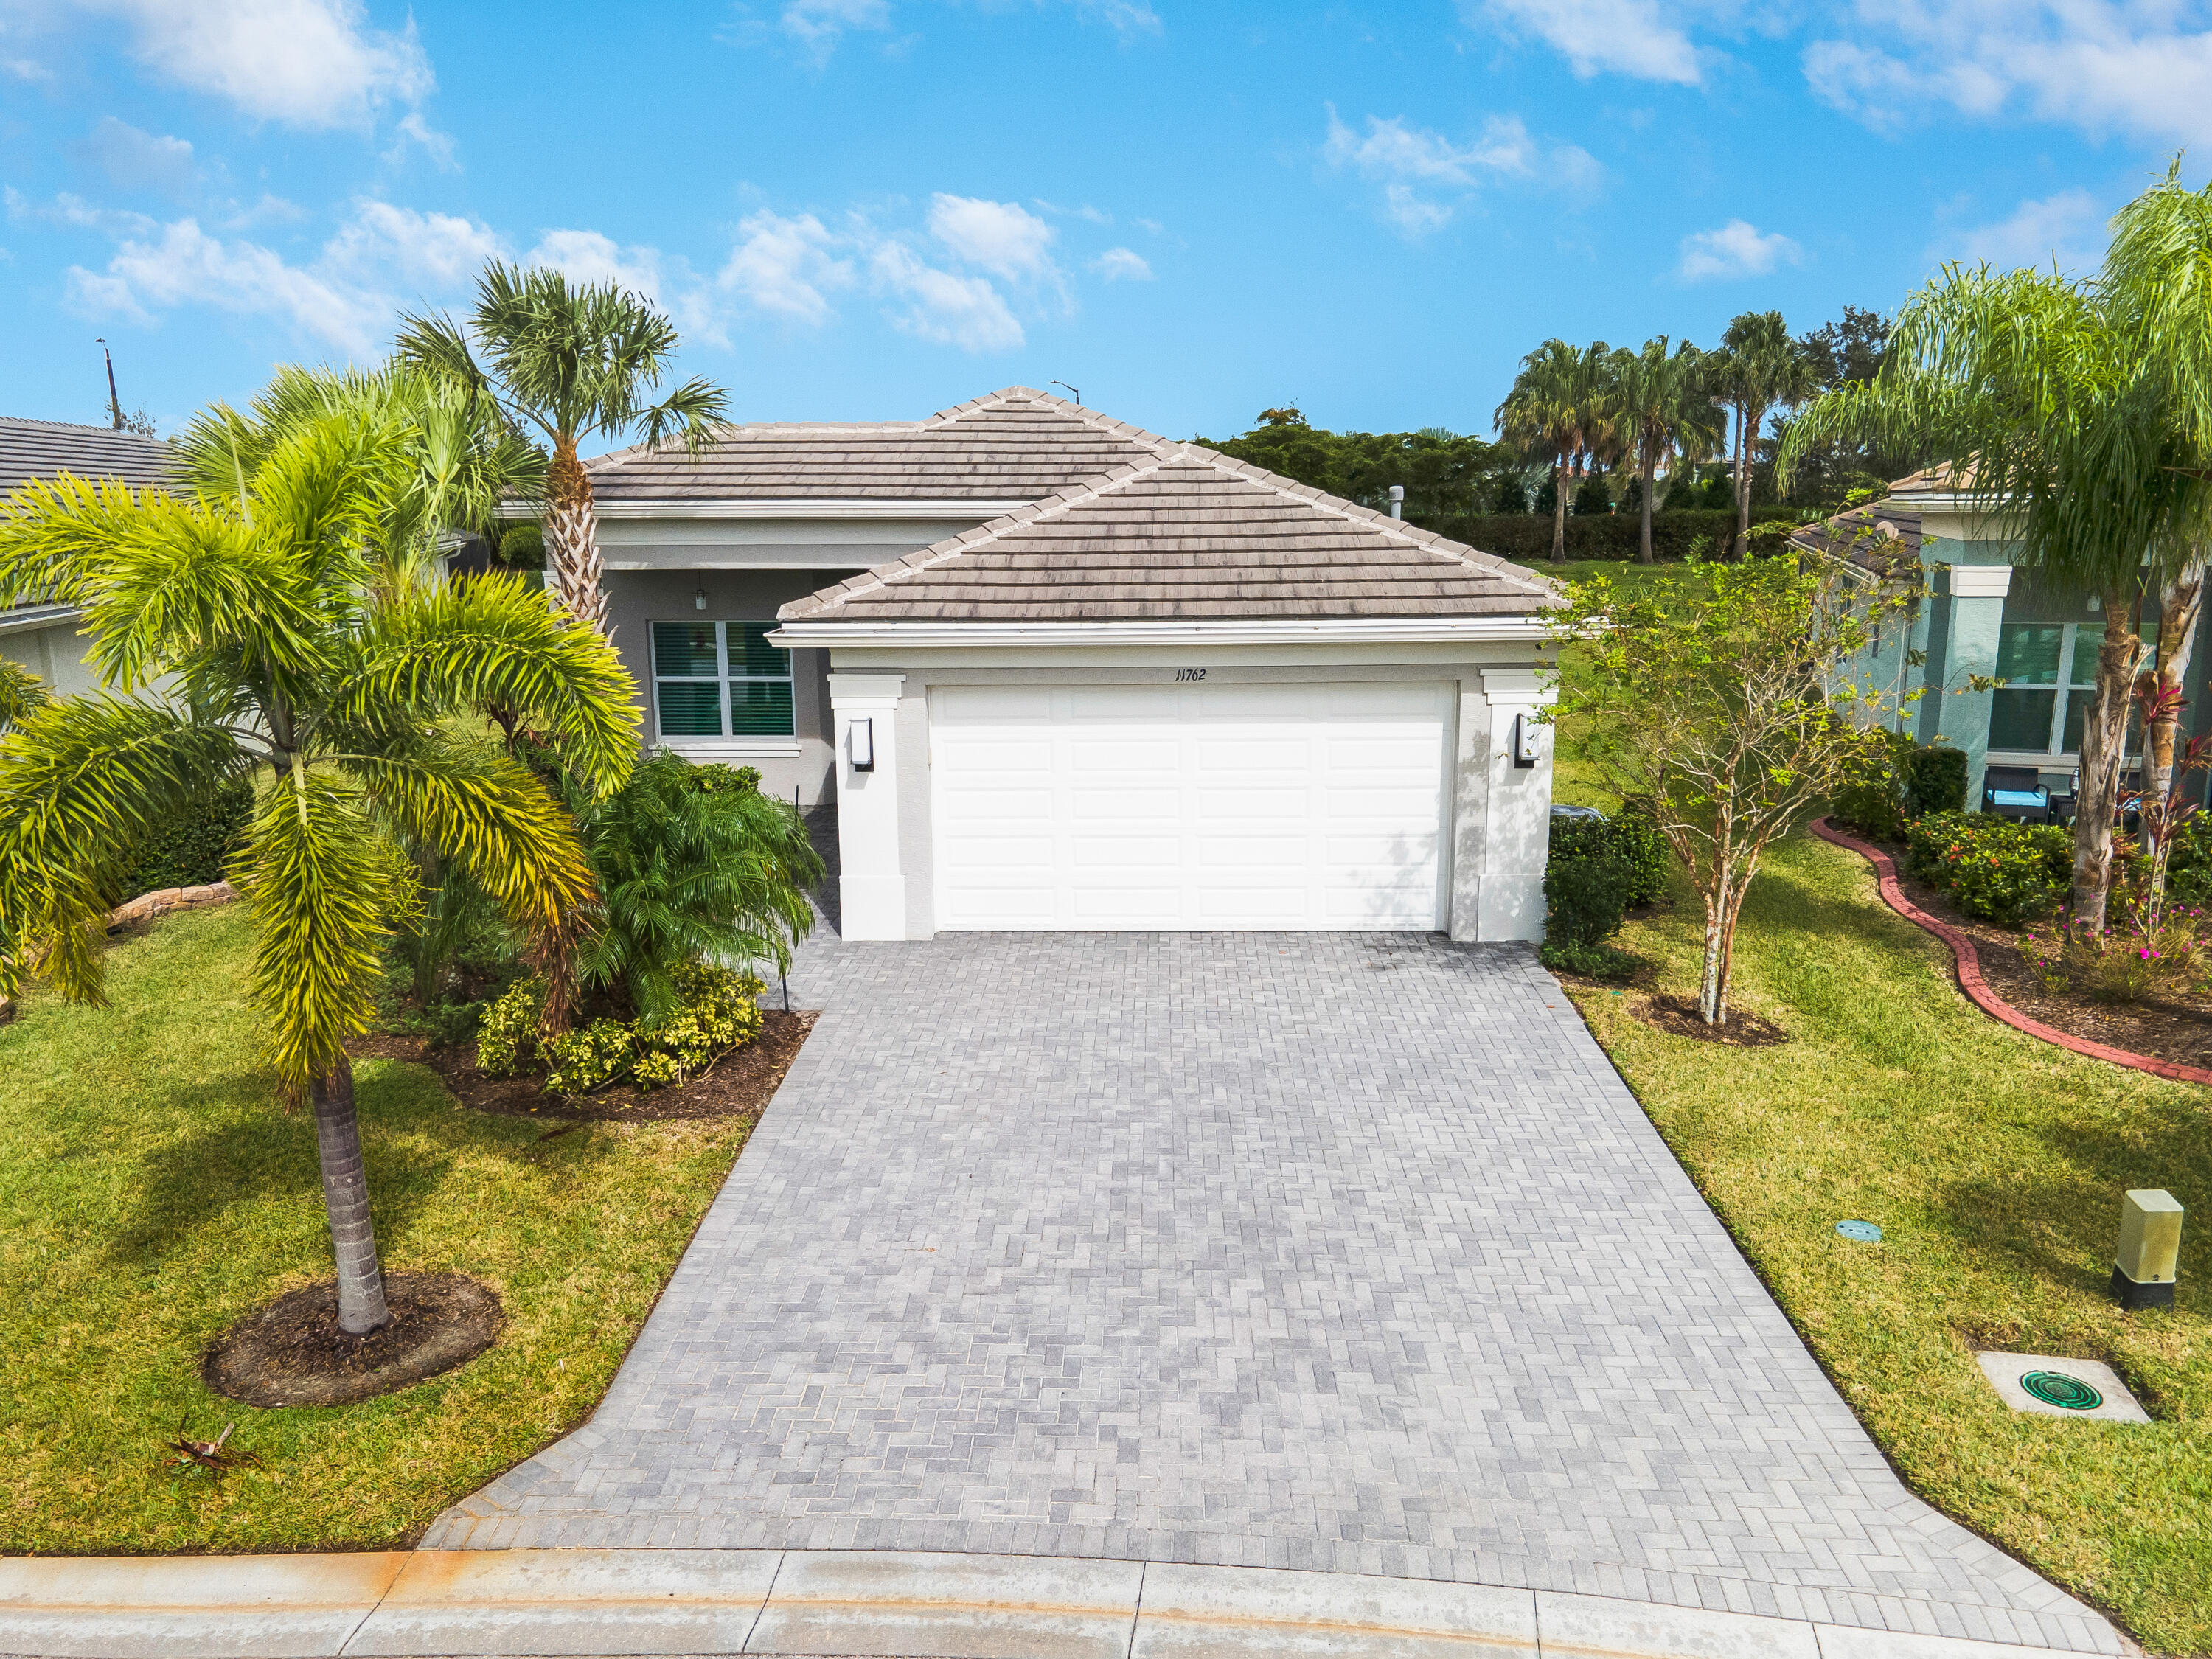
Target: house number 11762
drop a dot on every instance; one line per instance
(1190, 673)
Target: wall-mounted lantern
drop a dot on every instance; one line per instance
(1524, 740)
(860, 744)
(699, 599)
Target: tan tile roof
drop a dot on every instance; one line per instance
(40, 449)
(1014, 445)
(1948, 476)
(1879, 536)
(1184, 533)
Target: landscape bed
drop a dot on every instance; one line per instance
(152, 1193)
(1994, 1164)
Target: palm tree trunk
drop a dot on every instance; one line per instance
(572, 540)
(1559, 512)
(2178, 607)
(2103, 741)
(1741, 548)
(345, 1197)
(1644, 546)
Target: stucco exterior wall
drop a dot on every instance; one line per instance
(638, 598)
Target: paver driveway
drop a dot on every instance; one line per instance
(1341, 1251)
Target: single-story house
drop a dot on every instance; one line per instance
(2005, 660)
(44, 637)
(1056, 671)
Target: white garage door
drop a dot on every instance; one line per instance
(1190, 805)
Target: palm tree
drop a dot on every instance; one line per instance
(260, 611)
(573, 362)
(1663, 412)
(1758, 369)
(2049, 397)
(1559, 412)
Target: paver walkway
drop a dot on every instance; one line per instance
(1346, 1253)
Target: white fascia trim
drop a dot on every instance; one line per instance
(811, 508)
(25, 619)
(1355, 630)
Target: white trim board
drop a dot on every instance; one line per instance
(1354, 630)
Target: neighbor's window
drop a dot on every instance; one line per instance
(716, 679)
(2051, 674)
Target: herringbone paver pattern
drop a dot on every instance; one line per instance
(1349, 1253)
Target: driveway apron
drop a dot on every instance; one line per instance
(1346, 1253)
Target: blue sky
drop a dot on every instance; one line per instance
(872, 209)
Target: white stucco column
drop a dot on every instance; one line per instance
(1516, 832)
(872, 880)
(1977, 603)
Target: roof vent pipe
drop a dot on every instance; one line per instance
(1397, 500)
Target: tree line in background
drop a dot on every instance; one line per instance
(1592, 431)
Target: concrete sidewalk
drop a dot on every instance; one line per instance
(545, 1603)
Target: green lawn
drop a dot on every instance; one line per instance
(151, 1191)
(1994, 1165)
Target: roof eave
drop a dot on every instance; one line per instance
(1527, 628)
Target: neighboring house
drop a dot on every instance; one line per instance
(1059, 672)
(1981, 620)
(43, 637)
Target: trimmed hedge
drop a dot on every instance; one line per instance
(1998, 869)
(191, 852)
(1897, 779)
(1628, 840)
(1602, 536)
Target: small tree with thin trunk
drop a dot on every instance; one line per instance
(570, 362)
(1726, 706)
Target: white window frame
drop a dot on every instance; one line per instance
(726, 742)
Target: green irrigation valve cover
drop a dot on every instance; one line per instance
(2067, 1393)
(1864, 1232)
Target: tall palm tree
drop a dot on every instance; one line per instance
(1558, 411)
(2060, 423)
(260, 611)
(572, 362)
(1663, 413)
(1758, 369)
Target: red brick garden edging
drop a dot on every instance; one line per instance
(1969, 969)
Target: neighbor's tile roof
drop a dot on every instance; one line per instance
(1014, 445)
(1879, 536)
(40, 449)
(1184, 533)
(1949, 478)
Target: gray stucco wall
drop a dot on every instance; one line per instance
(638, 598)
(55, 654)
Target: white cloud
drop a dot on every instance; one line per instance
(589, 257)
(815, 27)
(136, 161)
(1001, 237)
(1736, 249)
(74, 213)
(1117, 263)
(184, 265)
(786, 266)
(438, 146)
(1622, 37)
(313, 64)
(954, 310)
(1408, 161)
(2066, 228)
(440, 250)
(2140, 67)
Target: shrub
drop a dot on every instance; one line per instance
(693, 864)
(191, 852)
(589, 1058)
(507, 1036)
(1585, 899)
(1590, 961)
(2188, 866)
(1873, 801)
(717, 1011)
(1598, 534)
(1627, 837)
(2121, 964)
(1994, 868)
(1935, 780)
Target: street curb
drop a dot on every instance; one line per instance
(1967, 965)
(663, 1602)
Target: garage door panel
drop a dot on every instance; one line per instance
(1262, 804)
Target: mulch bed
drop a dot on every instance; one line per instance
(2170, 1031)
(1680, 1016)
(737, 1085)
(293, 1353)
